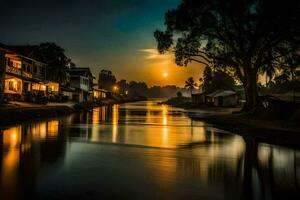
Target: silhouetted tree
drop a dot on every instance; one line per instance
(179, 94)
(221, 80)
(240, 35)
(123, 86)
(190, 84)
(269, 71)
(207, 80)
(137, 88)
(57, 61)
(106, 80)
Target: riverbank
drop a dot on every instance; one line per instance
(280, 132)
(18, 112)
(277, 118)
(13, 115)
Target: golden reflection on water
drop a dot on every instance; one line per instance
(52, 128)
(154, 125)
(11, 157)
(214, 159)
(115, 121)
(96, 115)
(16, 142)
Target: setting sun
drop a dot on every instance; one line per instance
(165, 74)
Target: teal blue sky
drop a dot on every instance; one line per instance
(103, 34)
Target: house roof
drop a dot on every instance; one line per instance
(221, 93)
(16, 52)
(80, 71)
(225, 93)
(198, 94)
(214, 93)
(101, 90)
(24, 50)
(68, 89)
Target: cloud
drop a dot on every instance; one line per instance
(154, 55)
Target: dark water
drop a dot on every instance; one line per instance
(141, 151)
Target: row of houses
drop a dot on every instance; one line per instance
(218, 98)
(26, 79)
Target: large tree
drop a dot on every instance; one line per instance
(106, 80)
(57, 61)
(242, 35)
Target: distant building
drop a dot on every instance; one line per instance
(99, 94)
(82, 80)
(69, 92)
(198, 98)
(223, 98)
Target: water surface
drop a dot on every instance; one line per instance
(141, 151)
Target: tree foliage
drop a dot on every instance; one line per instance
(54, 56)
(190, 84)
(242, 35)
(179, 94)
(106, 80)
(221, 80)
(207, 80)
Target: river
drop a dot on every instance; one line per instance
(141, 151)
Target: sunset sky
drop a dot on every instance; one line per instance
(100, 34)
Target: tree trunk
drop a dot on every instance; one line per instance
(251, 92)
(2, 74)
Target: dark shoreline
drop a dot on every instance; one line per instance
(283, 132)
(287, 135)
(13, 116)
(23, 114)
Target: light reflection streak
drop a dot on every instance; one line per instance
(115, 120)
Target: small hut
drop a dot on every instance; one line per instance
(223, 98)
(198, 98)
(210, 97)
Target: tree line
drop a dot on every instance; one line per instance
(109, 82)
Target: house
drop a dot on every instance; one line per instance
(82, 80)
(68, 92)
(210, 97)
(99, 94)
(223, 98)
(198, 98)
(25, 76)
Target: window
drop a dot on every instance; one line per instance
(28, 69)
(11, 85)
(7, 61)
(42, 71)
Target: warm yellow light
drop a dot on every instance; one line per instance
(115, 88)
(165, 74)
(126, 92)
